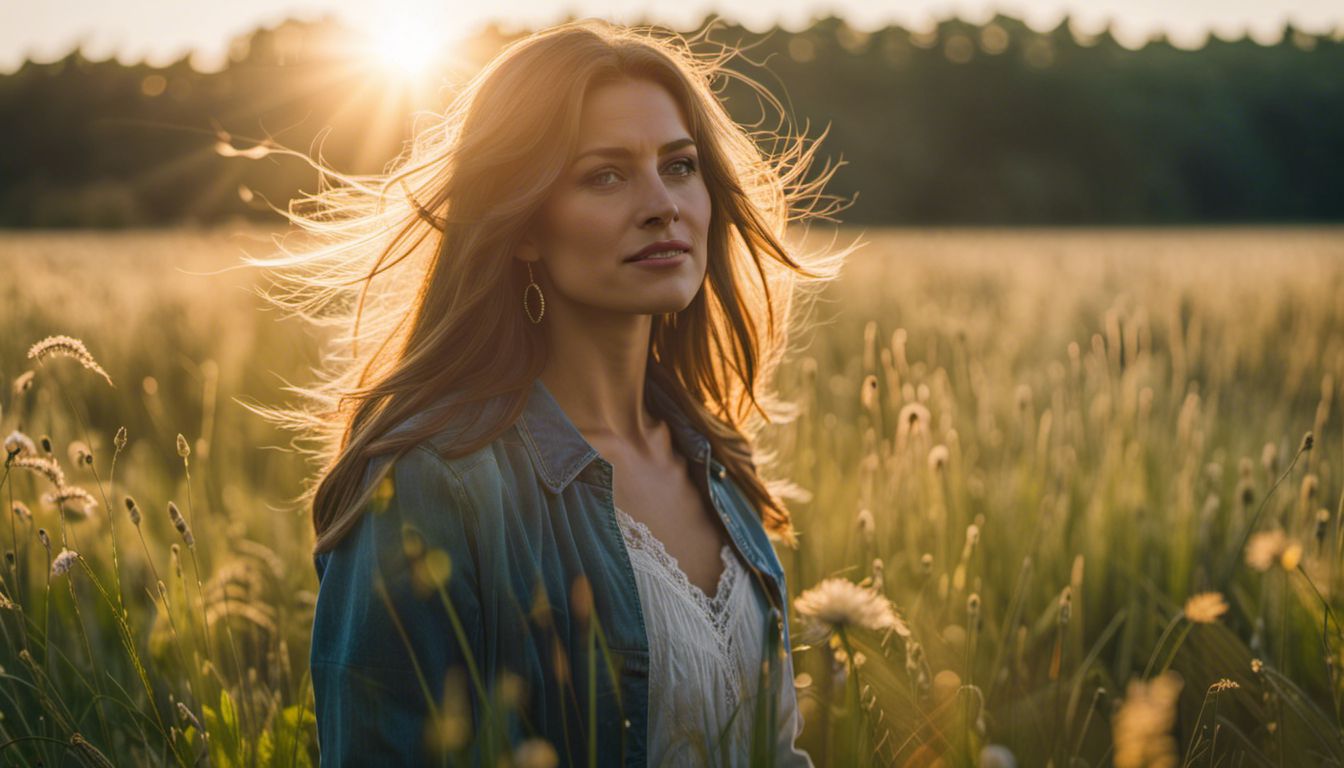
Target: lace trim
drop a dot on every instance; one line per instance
(638, 536)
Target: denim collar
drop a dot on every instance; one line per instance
(559, 450)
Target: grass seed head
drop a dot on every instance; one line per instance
(79, 453)
(48, 468)
(66, 346)
(180, 523)
(45, 539)
(938, 457)
(63, 562)
(23, 383)
(133, 510)
(120, 440)
(1269, 458)
(19, 444)
(183, 449)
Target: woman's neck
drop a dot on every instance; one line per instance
(595, 370)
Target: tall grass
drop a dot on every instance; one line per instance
(1073, 461)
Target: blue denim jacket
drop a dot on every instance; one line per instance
(521, 521)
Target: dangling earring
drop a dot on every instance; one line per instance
(531, 285)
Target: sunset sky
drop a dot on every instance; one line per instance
(160, 31)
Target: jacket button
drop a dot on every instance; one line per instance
(719, 472)
(627, 723)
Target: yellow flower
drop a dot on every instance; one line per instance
(1142, 725)
(1205, 607)
(1292, 555)
(840, 603)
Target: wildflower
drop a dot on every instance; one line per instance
(63, 562)
(938, 457)
(1292, 555)
(133, 510)
(840, 604)
(66, 346)
(973, 610)
(120, 440)
(183, 449)
(1205, 607)
(17, 444)
(1142, 725)
(181, 524)
(1264, 548)
(535, 753)
(46, 540)
(48, 468)
(1257, 665)
(1307, 442)
(21, 510)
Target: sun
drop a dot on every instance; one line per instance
(406, 46)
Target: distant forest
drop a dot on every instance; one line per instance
(968, 124)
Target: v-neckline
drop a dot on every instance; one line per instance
(715, 603)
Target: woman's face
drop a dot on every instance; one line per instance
(634, 182)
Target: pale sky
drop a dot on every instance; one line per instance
(159, 31)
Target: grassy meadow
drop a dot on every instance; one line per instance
(1076, 462)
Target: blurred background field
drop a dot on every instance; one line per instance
(1078, 427)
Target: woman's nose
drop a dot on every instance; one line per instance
(661, 208)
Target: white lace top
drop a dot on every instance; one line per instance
(705, 655)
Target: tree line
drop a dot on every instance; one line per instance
(992, 123)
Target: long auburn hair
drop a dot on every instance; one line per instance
(437, 233)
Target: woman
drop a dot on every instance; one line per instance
(540, 526)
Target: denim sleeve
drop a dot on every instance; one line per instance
(384, 636)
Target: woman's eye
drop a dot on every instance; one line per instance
(688, 162)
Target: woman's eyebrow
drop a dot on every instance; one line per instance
(671, 146)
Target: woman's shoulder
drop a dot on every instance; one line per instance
(463, 433)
